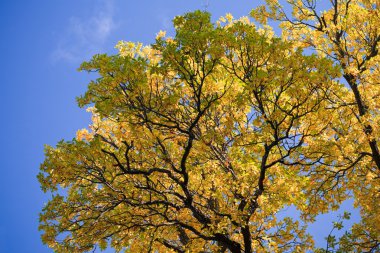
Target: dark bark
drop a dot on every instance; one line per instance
(363, 110)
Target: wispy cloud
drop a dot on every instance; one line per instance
(166, 21)
(86, 36)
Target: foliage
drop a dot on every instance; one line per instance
(198, 141)
(349, 34)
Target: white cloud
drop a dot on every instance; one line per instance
(166, 22)
(86, 36)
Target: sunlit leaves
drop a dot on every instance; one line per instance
(198, 141)
(348, 33)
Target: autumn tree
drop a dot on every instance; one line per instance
(198, 141)
(348, 32)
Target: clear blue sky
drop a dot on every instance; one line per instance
(42, 44)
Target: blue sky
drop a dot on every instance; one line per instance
(42, 44)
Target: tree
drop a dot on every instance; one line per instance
(198, 141)
(348, 33)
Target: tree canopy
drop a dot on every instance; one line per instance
(200, 140)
